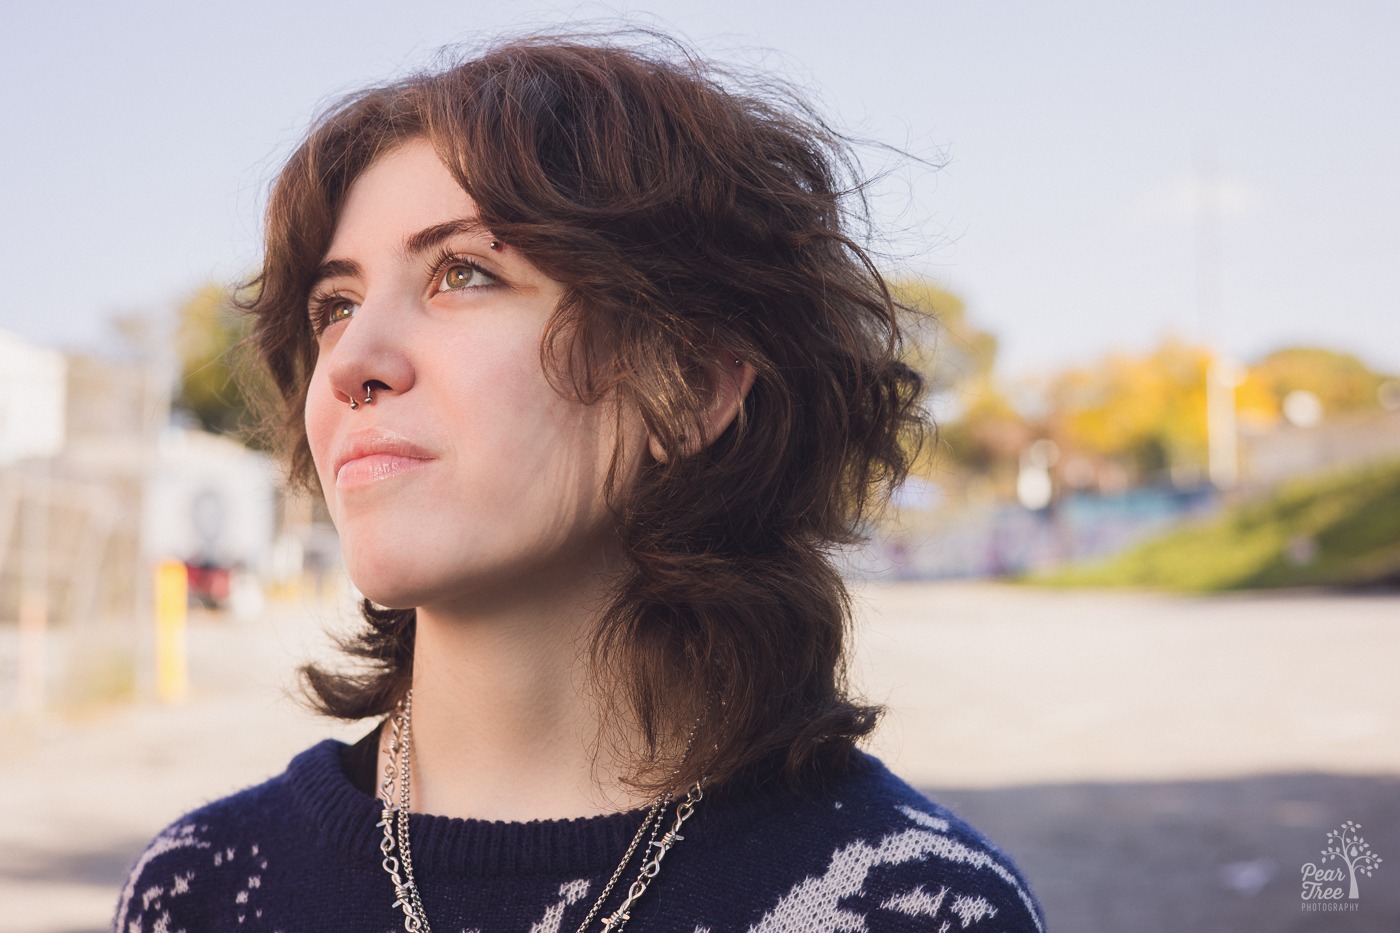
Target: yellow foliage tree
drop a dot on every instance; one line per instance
(1148, 411)
(947, 348)
(1340, 381)
(214, 370)
(957, 360)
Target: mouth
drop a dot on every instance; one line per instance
(372, 457)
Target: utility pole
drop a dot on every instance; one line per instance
(1222, 374)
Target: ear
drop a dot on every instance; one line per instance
(730, 379)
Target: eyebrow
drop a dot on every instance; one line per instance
(334, 269)
(415, 244)
(429, 237)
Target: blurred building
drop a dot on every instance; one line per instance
(1274, 455)
(32, 396)
(96, 485)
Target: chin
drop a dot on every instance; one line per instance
(391, 594)
(386, 579)
(405, 579)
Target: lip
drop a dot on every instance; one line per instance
(370, 456)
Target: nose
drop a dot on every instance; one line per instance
(370, 358)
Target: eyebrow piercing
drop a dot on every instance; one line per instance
(496, 246)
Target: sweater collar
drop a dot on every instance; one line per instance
(345, 818)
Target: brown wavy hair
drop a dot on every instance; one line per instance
(681, 207)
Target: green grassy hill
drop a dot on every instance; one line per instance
(1340, 530)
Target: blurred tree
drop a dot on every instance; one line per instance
(213, 363)
(988, 433)
(947, 349)
(1147, 412)
(1122, 419)
(977, 425)
(1341, 382)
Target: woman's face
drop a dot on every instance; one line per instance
(468, 477)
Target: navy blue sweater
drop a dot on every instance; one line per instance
(301, 853)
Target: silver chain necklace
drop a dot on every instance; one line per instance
(394, 821)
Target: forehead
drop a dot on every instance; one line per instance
(402, 191)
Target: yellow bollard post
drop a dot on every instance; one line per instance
(172, 602)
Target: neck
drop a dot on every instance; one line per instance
(503, 724)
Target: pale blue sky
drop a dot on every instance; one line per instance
(139, 138)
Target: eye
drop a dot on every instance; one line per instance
(462, 274)
(330, 309)
(339, 310)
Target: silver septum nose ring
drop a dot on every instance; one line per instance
(369, 397)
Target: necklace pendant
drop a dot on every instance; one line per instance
(668, 841)
(615, 921)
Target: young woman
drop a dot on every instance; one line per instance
(574, 339)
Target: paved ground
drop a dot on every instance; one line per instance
(1153, 763)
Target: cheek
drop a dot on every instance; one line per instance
(530, 444)
(321, 418)
(497, 396)
(538, 421)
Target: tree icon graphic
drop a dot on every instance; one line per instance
(1348, 845)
